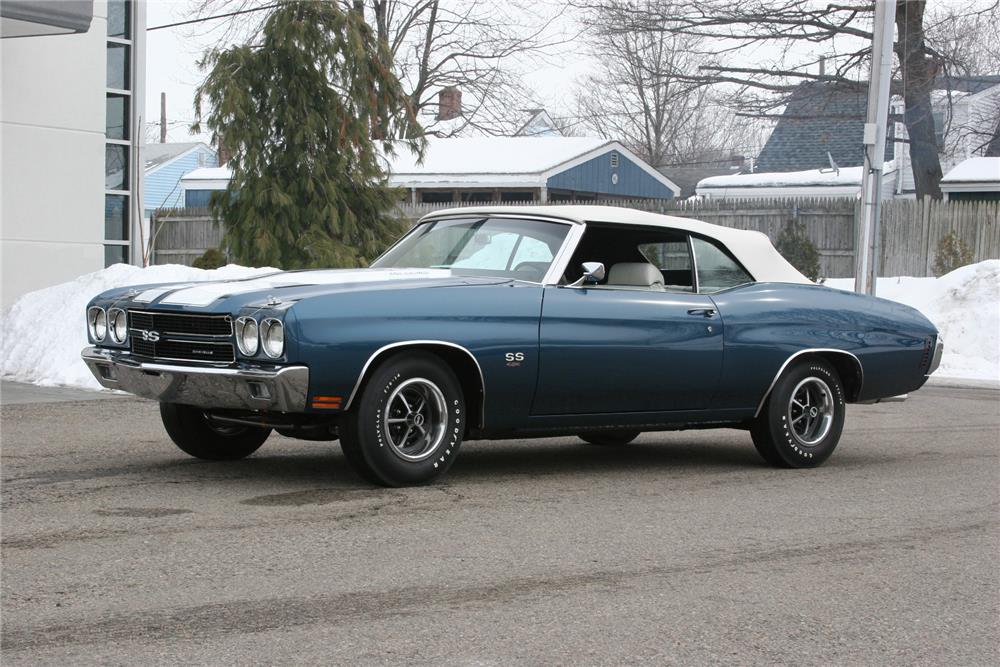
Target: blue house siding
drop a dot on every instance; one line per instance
(596, 175)
(162, 187)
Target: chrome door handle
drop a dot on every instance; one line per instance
(704, 312)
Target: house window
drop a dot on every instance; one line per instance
(119, 15)
(118, 74)
(614, 159)
(939, 123)
(435, 197)
(197, 198)
(524, 195)
(116, 217)
(118, 179)
(117, 120)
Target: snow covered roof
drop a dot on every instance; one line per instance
(518, 162)
(494, 155)
(976, 173)
(502, 161)
(155, 156)
(753, 249)
(812, 183)
(845, 176)
(223, 173)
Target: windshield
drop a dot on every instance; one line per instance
(520, 249)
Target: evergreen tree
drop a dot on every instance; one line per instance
(795, 246)
(308, 111)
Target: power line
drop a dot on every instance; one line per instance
(211, 18)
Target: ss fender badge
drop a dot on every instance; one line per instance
(514, 359)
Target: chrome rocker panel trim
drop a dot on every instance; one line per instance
(280, 390)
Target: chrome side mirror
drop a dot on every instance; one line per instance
(593, 272)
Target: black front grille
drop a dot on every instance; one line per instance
(181, 337)
(177, 323)
(213, 352)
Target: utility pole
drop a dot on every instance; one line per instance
(867, 245)
(163, 118)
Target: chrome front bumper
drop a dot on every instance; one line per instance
(281, 389)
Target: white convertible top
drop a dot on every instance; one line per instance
(752, 249)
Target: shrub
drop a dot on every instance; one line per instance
(951, 253)
(795, 246)
(212, 259)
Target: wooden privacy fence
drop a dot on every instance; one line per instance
(911, 230)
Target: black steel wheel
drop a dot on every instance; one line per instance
(197, 436)
(801, 421)
(408, 422)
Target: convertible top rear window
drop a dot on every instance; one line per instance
(511, 248)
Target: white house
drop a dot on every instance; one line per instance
(70, 132)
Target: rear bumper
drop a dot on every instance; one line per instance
(279, 389)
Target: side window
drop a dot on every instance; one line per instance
(673, 259)
(716, 270)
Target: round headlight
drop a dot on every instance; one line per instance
(97, 322)
(272, 336)
(246, 336)
(118, 324)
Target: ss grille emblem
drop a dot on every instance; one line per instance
(151, 336)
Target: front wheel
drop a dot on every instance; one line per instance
(408, 423)
(801, 421)
(194, 434)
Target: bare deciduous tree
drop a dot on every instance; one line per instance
(767, 47)
(477, 46)
(642, 94)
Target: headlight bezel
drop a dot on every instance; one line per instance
(266, 327)
(242, 323)
(112, 324)
(97, 323)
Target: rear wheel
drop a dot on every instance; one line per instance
(609, 438)
(408, 422)
(196, 435)
(802, 419)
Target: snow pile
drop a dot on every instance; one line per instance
(43, 332)
(965, 307)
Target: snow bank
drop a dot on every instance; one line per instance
(42, 334)
(965, 307)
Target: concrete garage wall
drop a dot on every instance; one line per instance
(52, 132)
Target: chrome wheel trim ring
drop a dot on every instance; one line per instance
(415, 419)
(810, 411)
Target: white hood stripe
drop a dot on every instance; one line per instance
(207, 293)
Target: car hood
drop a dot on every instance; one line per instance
(288, 286)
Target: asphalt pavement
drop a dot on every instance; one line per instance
(683, 548)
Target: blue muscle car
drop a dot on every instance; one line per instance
(513, 322)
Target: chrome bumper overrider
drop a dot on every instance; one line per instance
(936, 359)
(281, 389)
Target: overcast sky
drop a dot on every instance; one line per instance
(172, 53)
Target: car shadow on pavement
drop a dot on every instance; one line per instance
(493, 461)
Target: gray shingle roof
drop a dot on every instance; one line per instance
(820, 117)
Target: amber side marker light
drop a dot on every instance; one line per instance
(328, 402)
